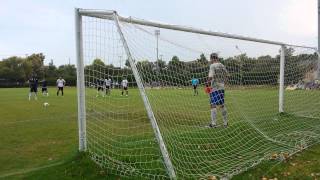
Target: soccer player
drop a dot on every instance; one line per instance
(107, 83)
(195, 83)
(216, 77)
(60, 84)
(33, 84)
(100, 83)
(124, 85)
(44, 89)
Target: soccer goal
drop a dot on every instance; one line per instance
(143, 111)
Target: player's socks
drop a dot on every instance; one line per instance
(213, 116)
(29, 96)
(224, 115)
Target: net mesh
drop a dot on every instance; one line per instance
(120, 136)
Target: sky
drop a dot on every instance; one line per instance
(47, 26)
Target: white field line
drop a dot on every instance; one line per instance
(37, 119)
(24, 171)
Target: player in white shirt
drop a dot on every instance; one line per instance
(217, 76)
(60, 84)
(107, 84)
(124, 85)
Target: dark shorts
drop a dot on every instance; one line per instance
(33, 89)
(195, 86)
(100, 88)
(44, 89)
(60, 88)
(125, 88)
(107, 87)
(217, 97)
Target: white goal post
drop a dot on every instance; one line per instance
(82, 84)
(147, 105)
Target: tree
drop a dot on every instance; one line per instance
(50, 70)
(127, 63)
(175, 59)
(36, 62)
(145, 66)
(98, 62)
(160, 64)
(175, 62)
(288, 51)
(12, 69)
(202, 59)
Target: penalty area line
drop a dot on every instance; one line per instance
(24, 171)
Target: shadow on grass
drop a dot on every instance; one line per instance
(80, 166)
(303, 165)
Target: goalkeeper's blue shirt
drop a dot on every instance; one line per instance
(194, 82)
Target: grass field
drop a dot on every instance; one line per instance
(33, 136)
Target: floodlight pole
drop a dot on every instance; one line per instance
(154, 124)
(157, 33)
(318, 25)
(318, 68)
(80, 83)
(120, 58)
(240, 61)
(281, 79)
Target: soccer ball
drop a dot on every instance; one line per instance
(45, 104)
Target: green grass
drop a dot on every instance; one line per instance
(303, 165)
(33, 136)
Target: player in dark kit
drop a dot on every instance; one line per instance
(44, 89)
(33, 84)
(100, 83)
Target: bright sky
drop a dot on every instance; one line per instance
(32, 26)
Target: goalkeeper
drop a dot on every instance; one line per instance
(216, 77)
(195, 83)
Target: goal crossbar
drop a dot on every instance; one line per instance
(108, 14)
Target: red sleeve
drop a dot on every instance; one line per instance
(208, 90)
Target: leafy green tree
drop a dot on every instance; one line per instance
(175, 63)
(51, 70)
(161, 64)
(36, 62)
(202, 59)
(175, 59)
(127, 63)
(98, 62)
(12, 69)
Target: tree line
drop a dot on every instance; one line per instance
(16, 71)
(243, 70)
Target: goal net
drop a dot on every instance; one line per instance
(158, 125)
